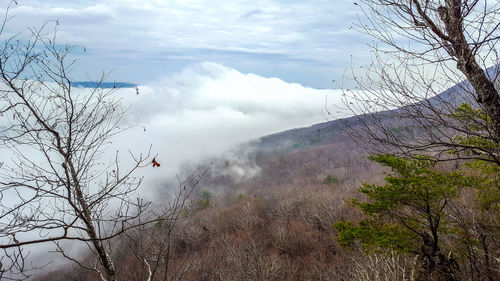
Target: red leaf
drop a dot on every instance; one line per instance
(155, 164)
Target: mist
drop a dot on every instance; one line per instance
(207, 109)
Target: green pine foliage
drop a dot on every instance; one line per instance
(477, 123)
(330, 179)
(204, 201)
(408, 207)
(487, 184)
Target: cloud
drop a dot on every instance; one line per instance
(206, 109)
(266, 25)
(295, 40)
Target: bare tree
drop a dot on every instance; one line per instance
(152, 246)
(60, 184)
(433, 88)
(422, 47)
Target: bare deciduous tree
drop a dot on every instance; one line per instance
(422, 47)
(60, 184)
(153, 245)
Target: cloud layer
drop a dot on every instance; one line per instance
(306, 42)
(207, 108)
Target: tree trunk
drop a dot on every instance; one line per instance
(486, 93)
(437, 267)
(85, 215)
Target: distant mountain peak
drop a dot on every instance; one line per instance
(103, 85)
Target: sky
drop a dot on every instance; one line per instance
(305, 42)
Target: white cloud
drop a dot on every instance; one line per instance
(207, 108)
(262, 24)
(286, 36)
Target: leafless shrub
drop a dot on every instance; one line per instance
(378, 267)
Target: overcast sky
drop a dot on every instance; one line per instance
(307, 42)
